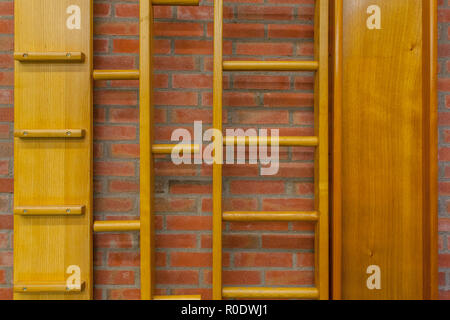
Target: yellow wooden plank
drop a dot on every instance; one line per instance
(53, 172)
(146, 156)
(281, 141)
(270, 65)
(321, 156)
(270, 216)
(50, 211)
(48, 287)
(45, 133)
(49, 56)
(270, 293)
(117, 226)
(217, 167)
(168, 148)
(116, 75)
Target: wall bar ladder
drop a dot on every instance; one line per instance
(320, 141)
(147, 149)
(53, 144)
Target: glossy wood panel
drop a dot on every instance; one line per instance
(384, 149)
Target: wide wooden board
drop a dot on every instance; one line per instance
(384, 150)
(55, 95)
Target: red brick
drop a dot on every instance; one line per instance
(262, 259)
(256, 187)
(190, 259)
(279, 241)
(118, 169)
(116, 277)
(123, 259)
(111, 240)
(176, 240)
(189, 223)
(177, 277)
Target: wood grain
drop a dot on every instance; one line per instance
(53, 171)
(387, 150)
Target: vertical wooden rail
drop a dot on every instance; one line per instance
(217, 167)
(337, 152)
(321, 155)
(430, 220)
(146, 172)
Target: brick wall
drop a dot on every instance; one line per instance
(254, 253)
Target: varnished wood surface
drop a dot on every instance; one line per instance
(52, 171)
(387, 130)
(146, 129)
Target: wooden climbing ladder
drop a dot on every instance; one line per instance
(320, 141)
(53, 221)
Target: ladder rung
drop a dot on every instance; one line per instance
(261, 293)
(175, 2)
(49, 211)
(72, 56)
(282, 141)
(117, 226)
(38, 287)
(270, 65)
(270, 216)
(167, 148)
(66, 133)
(179, 297)
(116, 75)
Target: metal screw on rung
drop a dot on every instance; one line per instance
(68, 133)
(67, 288)
(68, 210)
(25, 133)
(25, 55)
(24, 289)
(68, 54)
(25, 211)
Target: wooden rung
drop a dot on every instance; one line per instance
(175, 2)
(50, 211)
(283, 141)
(116, 75)
(38, 287)
(182, 297)
(167, 148)
(249, 216)
(117, 226)
(65, 133)
(270, 65)
(49, 56)
(274, 293)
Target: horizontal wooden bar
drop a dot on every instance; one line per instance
(117, 226)
(270, 65)
(175, 2)
(72, 56)
(51, 133)
(41, 287)
(282, 141)
(249, 216)
(50, 211)
(274, 293)
(167, 148)
(116, 75)
(182, 297)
